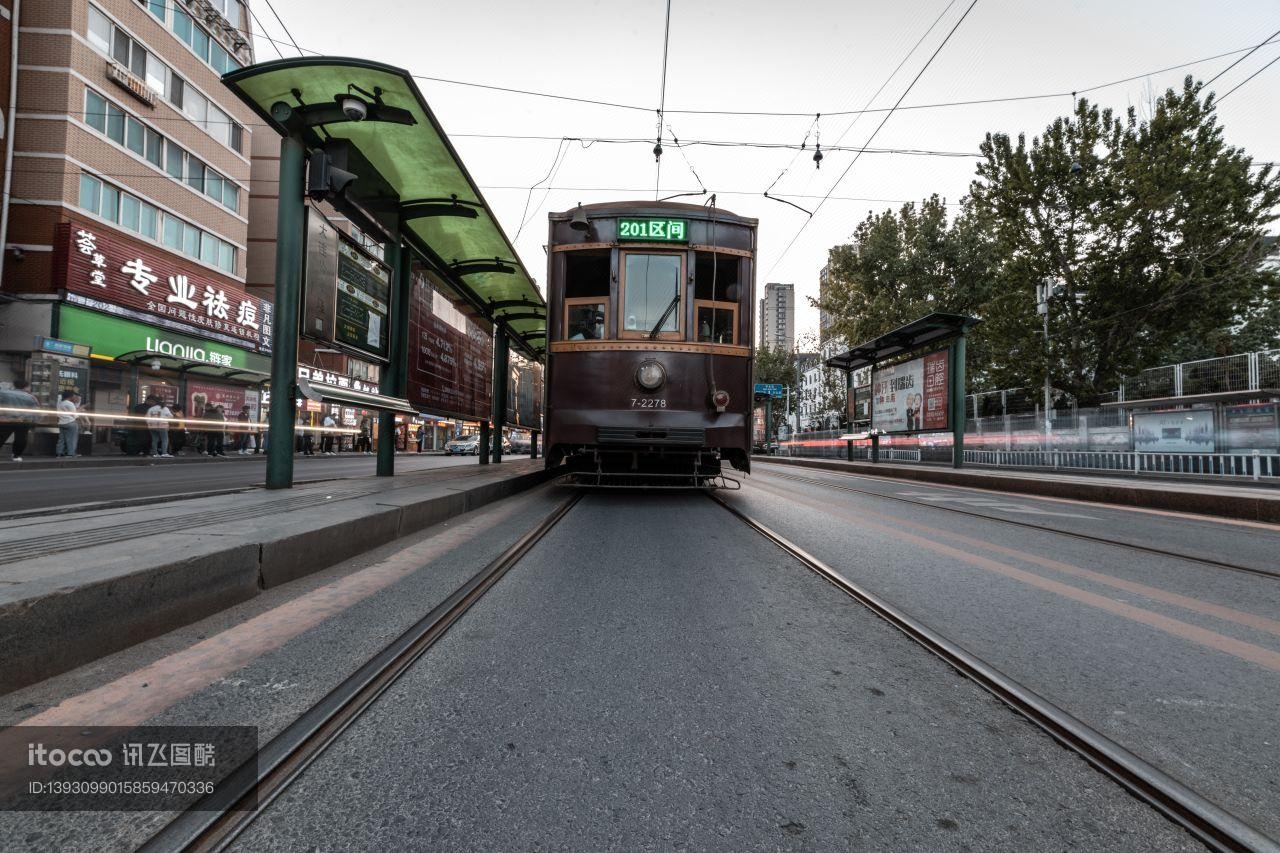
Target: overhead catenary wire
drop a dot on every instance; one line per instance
(1247, 79)
(874, 133)
(1256, 47)
(284, 27)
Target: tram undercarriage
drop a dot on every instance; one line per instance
(645, 468)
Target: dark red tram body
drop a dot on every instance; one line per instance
(650, 342)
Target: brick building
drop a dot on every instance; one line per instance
(125, 214)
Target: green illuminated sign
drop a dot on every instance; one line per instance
(662, 230)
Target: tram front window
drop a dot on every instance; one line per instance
(651, 287)
(585, 320)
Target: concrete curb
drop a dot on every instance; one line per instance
(1248, 507)
(50, 628)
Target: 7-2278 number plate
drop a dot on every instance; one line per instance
(648, 403)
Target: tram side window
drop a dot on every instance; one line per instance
(586, 295)
(716, 291)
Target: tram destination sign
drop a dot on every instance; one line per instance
(654, 230)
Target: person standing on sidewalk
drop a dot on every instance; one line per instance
(213, 430)
(68, 424)
(177, 430)
(158, 418)
(244, 439)
(17, 423)
(326, 440)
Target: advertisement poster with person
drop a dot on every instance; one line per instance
(911, 396)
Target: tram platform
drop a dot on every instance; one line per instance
(1245, 501)
(79, 585)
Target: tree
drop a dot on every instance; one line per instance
(905, 264)
(1152, 232)
(777, 366)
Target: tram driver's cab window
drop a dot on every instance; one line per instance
(586, 296)
(651, 296)
(716, 292)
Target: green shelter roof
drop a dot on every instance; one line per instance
(442, 214)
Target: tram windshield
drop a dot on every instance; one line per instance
(651, 283)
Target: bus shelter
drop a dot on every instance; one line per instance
(917, 380)
(359, 135)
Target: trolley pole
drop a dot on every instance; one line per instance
(284, 346)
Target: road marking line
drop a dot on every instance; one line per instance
(1237, 648)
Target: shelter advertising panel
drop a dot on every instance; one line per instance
(347, 293)
(1185, 431)
(1251, 427)
(912, 396)
(118, 276)
(450, 356)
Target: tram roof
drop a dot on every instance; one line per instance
(934, 328)
(454, 227)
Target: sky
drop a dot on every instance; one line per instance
(754, 75)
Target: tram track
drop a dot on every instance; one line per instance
(1215, 827)
(1087, 537)
(215, 822)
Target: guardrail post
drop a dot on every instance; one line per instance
(1253, 465)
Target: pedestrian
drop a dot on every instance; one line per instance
(199, 404)
(17, 423)
(308, 446)
(158, 417)
(365, 443)
(422, 436)
(177, 431)
(326, 440)
(244, 440)
(213, 437)
(68, 424)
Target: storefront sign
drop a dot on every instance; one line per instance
(61, 347)
(912, 396)
(336, 380)
(113, 337)
(450, 356)
(106, 271)
(1185, 431)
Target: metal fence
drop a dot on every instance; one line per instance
(1255, 465)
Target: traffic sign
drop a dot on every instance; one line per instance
(766, 389)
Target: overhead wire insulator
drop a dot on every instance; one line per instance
(657, 152)
(817, 155)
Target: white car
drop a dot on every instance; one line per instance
(468, 445)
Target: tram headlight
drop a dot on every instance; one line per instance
(650, 376)
(720, 400)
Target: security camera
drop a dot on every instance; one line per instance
(354, 108)
(1076, 168)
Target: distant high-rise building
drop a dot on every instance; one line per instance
(778, 316)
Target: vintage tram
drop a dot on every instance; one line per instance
(649, 355)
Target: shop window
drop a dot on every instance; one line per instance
(651, 287)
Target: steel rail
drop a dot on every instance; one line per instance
(1207, 821)
(215, 821)
(1208, 561)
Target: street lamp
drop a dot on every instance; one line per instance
(1044, 290)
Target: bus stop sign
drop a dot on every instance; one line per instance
(765, 389)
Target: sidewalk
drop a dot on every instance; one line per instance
(1228, 500)
(78, 586)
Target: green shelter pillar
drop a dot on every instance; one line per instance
(395, 378)
(501, 372)
(283, 413)
(957, 401)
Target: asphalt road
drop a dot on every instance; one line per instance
(1175, 660)
(24, 489)
(697, 689)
